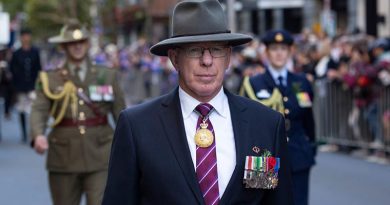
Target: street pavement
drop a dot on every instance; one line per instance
(336, 179)
(23, 179)
(340, 179)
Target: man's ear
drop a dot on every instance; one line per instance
(173, 57)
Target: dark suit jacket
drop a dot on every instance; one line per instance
(25, 66)
(301, 122)
(151, 163)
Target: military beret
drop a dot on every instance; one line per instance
(278, 36)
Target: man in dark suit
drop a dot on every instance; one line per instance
(199, 144)
(292, 95)
(25, 65)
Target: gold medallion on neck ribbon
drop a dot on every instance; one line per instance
(204, 137)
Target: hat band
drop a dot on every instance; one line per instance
(227, 31)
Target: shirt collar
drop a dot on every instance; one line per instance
(188, 103)
(72, 67)
(275, 73)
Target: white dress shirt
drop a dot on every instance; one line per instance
(223, 129)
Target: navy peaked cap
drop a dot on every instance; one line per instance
(278, 36)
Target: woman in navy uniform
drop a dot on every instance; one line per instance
(292, 95)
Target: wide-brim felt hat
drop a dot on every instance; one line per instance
(71, 32)
(198, 21)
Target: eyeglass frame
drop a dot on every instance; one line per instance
(186, 49)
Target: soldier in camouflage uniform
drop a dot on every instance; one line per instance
(79, 95)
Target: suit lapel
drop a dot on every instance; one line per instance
(172, 120)
(241, 138)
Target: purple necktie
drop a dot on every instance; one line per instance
(206, 162)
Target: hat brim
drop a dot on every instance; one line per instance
(60, 39)
(233, 39)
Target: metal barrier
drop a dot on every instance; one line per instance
(339, 122)
(1, 117)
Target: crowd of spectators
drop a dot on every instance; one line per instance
(354, 63)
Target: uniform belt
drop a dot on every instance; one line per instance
(88, 122)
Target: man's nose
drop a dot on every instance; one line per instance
(206, 58)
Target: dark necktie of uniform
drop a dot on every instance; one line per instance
(206, 161)
(77, 72)
(281, 86)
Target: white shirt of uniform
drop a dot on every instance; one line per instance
(275, 73)
(223, 129)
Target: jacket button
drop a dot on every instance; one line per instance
(286, 111)
(82, 129)
(81, 116)
(285, 99)
(81, 102)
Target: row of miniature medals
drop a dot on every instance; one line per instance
(260, 171)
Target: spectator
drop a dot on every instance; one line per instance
(25, 65)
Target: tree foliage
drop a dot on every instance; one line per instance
(13, 6)
(108, 19)
(46, 17)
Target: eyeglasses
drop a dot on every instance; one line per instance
(197, 51)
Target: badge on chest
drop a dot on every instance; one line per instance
(304, 100)
(261, 172)
(263, 94)
(101, 93)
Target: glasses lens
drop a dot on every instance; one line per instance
(194, 52)
(218, 51)
(215, 51)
